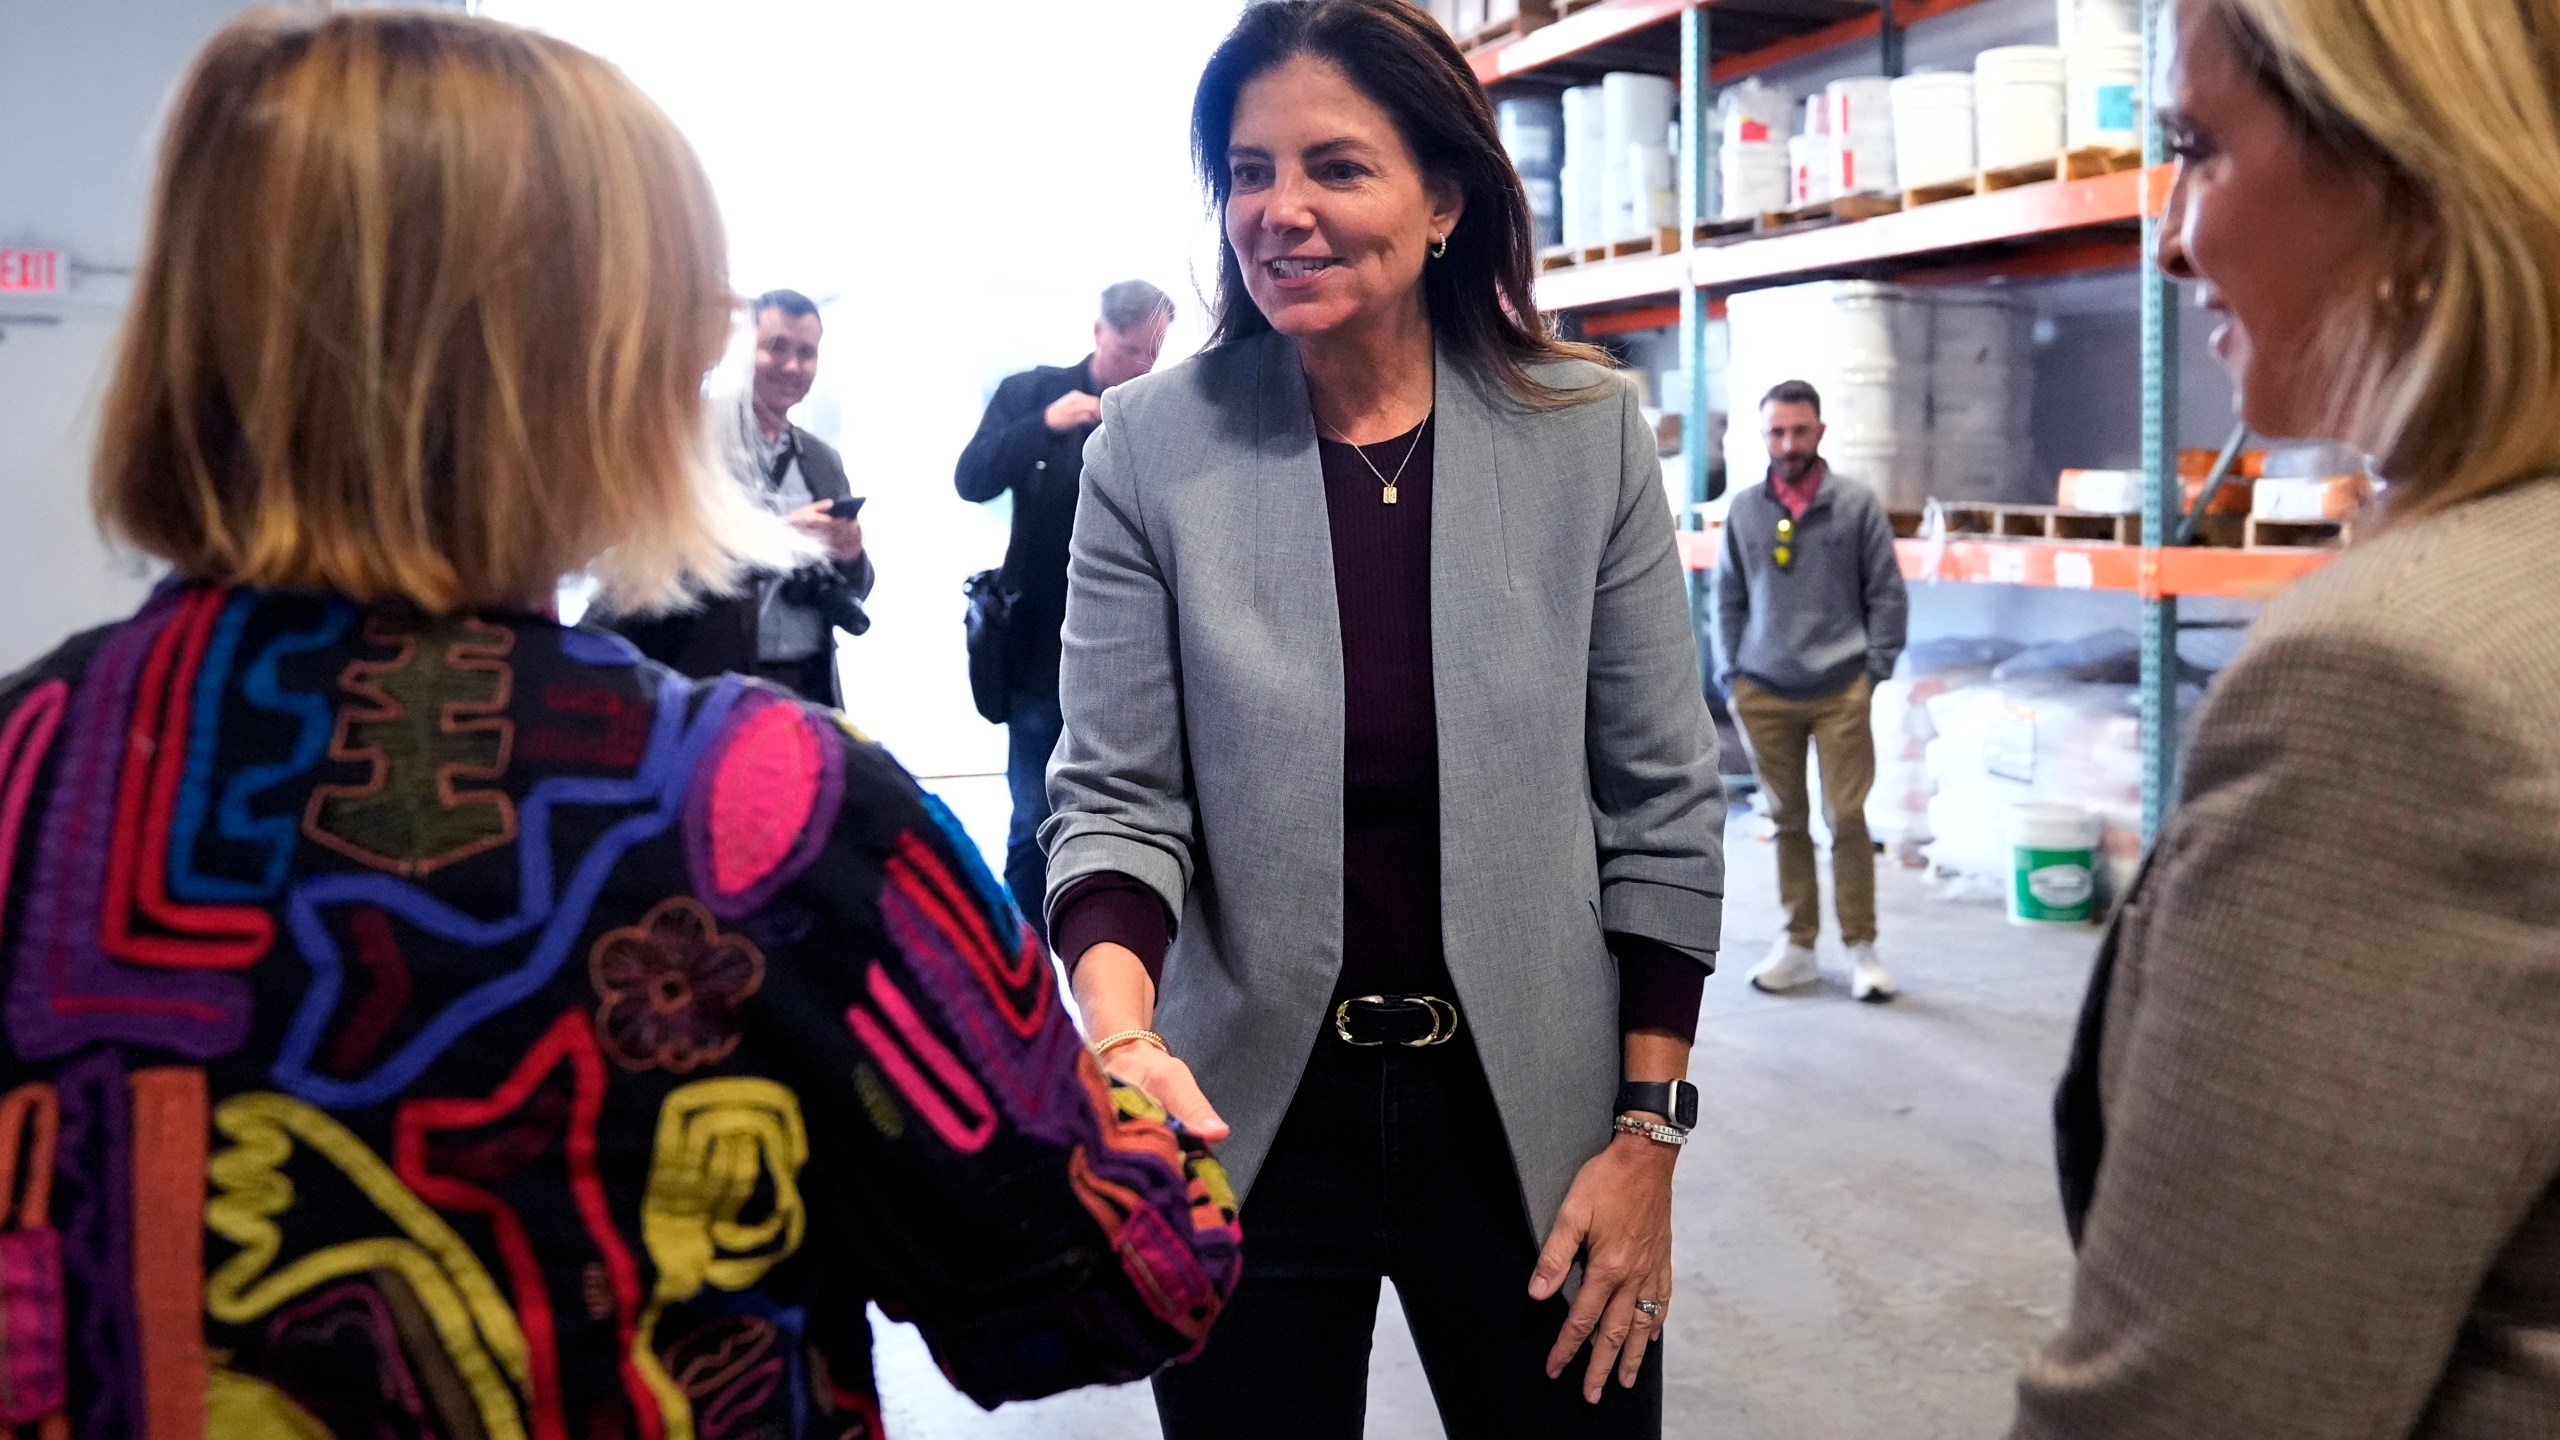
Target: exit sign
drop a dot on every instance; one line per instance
(33, 272)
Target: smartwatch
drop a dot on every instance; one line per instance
(1674, 1100)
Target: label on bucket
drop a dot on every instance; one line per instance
(2115, 107)
(1754, 132)
(2055, 885)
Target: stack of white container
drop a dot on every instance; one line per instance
(1926, 391)
(1638, 113)
(1860, 121)
(1752, 160)
(1617, 178)
(1809, 154)
(1533, 136)
(2102, 46)
(1933, 139)
(1579, 178)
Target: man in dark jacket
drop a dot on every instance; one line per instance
(1032, 443)
(783, 628)
(1812, 615)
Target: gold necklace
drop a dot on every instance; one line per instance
(1383, 479)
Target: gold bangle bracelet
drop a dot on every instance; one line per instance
(1103, 1047)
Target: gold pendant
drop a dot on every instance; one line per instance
(1391, 494)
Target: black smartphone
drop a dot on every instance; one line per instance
(846, 508)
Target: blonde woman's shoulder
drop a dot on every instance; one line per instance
(2470, 593)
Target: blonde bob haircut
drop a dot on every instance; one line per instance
(424, 315)
(2453, 350)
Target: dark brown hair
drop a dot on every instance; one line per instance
(1481, 294)
(1793, 392)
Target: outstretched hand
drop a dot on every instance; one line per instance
(1618, 1217)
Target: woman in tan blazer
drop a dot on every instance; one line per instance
(2310, 1135)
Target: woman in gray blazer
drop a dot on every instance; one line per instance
(1379, 680)
(2311, 1134)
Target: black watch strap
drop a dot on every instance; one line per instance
(1674, 1100)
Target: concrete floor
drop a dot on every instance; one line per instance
(1867, 1237)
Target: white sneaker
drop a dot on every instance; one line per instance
(1868, 979)
(1789, 966)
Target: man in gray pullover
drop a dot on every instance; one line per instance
(1811, 615)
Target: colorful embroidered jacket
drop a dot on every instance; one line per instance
(468, 1029)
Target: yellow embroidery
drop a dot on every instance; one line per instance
(470, 1315)
(239, 1407)
(719, 1143)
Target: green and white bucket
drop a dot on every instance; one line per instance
(2054, 850)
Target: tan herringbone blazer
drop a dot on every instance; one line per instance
(2314, 1123)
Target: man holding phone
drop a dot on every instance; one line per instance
(784, 628)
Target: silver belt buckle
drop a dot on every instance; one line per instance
(1442, 1029)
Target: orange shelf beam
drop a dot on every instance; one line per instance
(2062, 565)
(1583, 30)
(1612, 282)
(1620, 322)
(1847, 32)
(2025, 213)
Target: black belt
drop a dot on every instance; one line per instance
(1409, 1020)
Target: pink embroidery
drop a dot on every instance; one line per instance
(967, 1135)
(764, 806)
(31, 1370)
(760, 796)
(23, 743)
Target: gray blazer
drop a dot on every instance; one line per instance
(2313, 1128)
(1202, 686)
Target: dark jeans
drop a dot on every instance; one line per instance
(1391, 1163)
(1031, 731)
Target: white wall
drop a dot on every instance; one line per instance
(89, 79)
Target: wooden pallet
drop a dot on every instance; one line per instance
(2298, 534)
(1846, 208)
(1657, 242)
(1720, 232)
(1574, 7)
(1527, 16)
(2082, 164)
(1559, 257)
(2039, 522)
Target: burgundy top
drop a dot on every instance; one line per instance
(1797, 495)
(1390, 770)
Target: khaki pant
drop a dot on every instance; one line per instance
(1839, 731)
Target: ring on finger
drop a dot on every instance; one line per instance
(1650, 1309)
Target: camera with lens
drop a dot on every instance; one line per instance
(823, 588)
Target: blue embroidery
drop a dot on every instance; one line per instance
(675, 749)
(274, 835)
(998, 900)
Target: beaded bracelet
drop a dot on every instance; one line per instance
(1103, 1047)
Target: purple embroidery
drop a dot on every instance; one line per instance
(93, 1206)
(31, 1381)
(64, 991)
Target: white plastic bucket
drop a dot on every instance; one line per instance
(2054, 864)
(1753, 112)
(1809, 166)
(1932, 129)
(2084, 22)
(1583, 222)
(1756, 179)
(2104, 90)
(1862, 165)
(1861, 105)
(1874, 326)
(2018, 100)
(1646, 190)
(1897, 473)
(1586, 129)
(1532, 134)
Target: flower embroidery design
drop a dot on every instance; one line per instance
(669, 988)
